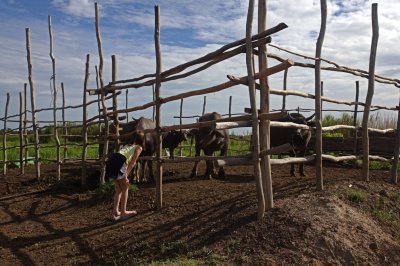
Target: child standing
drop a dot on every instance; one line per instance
(118, 167)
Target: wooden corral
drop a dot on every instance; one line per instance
(253, 45)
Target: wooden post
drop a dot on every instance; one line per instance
(84, 125)
(154, 99)
(5, 135)
(370, 93)
(252, 93)
(103, 94)
(318, 112)
(180, 123)
(322, 103)
(204, 105)
(55, 131)
(230, 106)
(26, 142)
(284, 89)
(126, 105)
(159, 201)
(32, 89)
(264, 106)
(64, 123)
(355, 117)
(21, 136)
(115, 103)
(98, 97)
(396, 150)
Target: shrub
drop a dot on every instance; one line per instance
(356, 195)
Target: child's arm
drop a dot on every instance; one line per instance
(133, 161)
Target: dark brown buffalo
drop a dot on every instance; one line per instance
(297, 138)
(210, 141)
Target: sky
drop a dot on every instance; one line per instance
(189, 29)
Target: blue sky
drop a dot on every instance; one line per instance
(189, 29)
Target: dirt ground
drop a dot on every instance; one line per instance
(205, 222)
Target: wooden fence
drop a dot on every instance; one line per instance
(260, 122)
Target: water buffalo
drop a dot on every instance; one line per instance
(298, 138)
(172, 139)
(209, 141)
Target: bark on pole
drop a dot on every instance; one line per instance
(180, 123)
(252, 94)
(230, 106)
(84, 124)
(103, 95)
(64, 123)
(32, 89)
(126, 105)
(318, 112)
(159, 201)
(55, 131)
(264, 106)
(115, 102)
(5, 134)
(370, 93)
(396, 150)
(21, 136)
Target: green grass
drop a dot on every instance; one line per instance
(356, 195)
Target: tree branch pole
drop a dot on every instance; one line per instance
(32, 89)
(159, 201)
(318, 112)
(64, 123)
(103, 95)
(5, 135)
(264, 106)
(370, 93)
(26, 139)
(115, 102)
(396, 150)
(55, 131)
(252, 95)
(85, 126)
(21, 136)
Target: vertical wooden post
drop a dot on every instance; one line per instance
(5, 135)
(84, 124)
(159, 201)
(126, 105)
(355, 117)
(103, 94)
(64, 123)
(284, 89)
(370, 93)
(264, 106)
(115, 103)
(204, 105)
(26, 139)
(318, 132)
(396, 150)
(98, 98)
(154, 98)
(21, 136)
(180, 123)
(322, 102)
(55, 131)
(32, 89)
(230, 106)
(252, 94)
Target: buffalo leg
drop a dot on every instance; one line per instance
(221, 170)
(292, 166)
(196, 163)
(301, 168)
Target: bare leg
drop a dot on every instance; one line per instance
(117, 198)
(124, 183)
